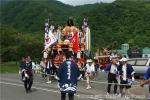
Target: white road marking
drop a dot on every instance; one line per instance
(8, 83)
(94, 97)
(43, 89)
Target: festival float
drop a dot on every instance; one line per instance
(70, 39)
(103, 57)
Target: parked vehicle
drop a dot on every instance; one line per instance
(140, 65)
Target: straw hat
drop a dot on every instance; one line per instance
(124, 59)
(89, 60)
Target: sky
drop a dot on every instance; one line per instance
(82, 2)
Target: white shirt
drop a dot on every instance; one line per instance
(89, 68)
(49, 64)
(113, 69)
(33, 65)
(124, 69)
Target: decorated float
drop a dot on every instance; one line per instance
(60, 41)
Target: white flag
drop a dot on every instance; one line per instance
(49, 39)
(88, 39)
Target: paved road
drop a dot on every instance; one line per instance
(12, 89)
(16, 92)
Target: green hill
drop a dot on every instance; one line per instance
(111, 24)
(29, 15)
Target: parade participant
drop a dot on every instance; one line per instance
(145, 82)
(33, 67)
(28, 75)
(146, 79)
(43, 67)
(127, 76)
(90, 71)
(112, 70)
(22, 68)
(29, 59)
(49, 67)
(68, 74)
(82, 62)
(81, 69)
(97, 67)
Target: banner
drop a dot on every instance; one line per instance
(74, 41)
(49, 39)
(88, 39)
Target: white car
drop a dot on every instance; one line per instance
(139, 65)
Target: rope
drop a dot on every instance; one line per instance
(115, 83)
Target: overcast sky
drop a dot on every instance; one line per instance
(82, 2)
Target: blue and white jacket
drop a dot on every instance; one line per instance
(22, 66)
(108, 68)
(147, 74)
(129, 71)
(68, 74)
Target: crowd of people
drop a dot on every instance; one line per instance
(49, 69)
(120, 74)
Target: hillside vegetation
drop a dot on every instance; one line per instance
(111, 24)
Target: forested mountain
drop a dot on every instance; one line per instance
(111, 24)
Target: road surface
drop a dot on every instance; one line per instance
(12, 89)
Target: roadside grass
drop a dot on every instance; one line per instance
(9, 67)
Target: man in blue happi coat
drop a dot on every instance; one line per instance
(127, 76)
(147, 79)
(27, 73)
(68, 74)
(112, 70)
